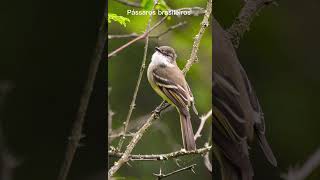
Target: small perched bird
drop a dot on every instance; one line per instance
(237, 115)
(168, 81)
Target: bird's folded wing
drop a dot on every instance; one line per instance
(171, 88)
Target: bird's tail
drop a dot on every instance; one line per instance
(187, 131)
(231, 172)
(266, 148)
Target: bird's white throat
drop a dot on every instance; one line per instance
(158, 58)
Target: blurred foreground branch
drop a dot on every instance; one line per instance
(301, 173)
(242, 23)
(8, 162)
(129, 3)
(76, 133)
(155, 115)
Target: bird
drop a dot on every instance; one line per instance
(169, 82)
(237, 115)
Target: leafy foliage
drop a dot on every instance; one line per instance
(148, 4)
(120, 19)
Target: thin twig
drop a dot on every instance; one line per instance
(110, 113)
(142, 67)
(161, 157)
(193, 11)
(133, 125)
(162, 176)
(155, 115)
(206, 158)
(76, 133)
(203, 120)
(301, 173)
(204, 24)
(244, 19)
(129, 3)
(144, 35)
(133, 35)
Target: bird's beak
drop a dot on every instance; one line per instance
(157, 49)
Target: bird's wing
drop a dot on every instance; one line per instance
(174, 87)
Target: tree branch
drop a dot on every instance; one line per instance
(155, 115)
(161, 157)
(133, 35)
(301, 173)
(203, 120)
(162, 176)
(194, 11)
(125, 157)
(129, 3)
(110, 113)
(244, 19)
(144, 35)
(204, 24)
(143, 66)
(76, 133)
(8, 162)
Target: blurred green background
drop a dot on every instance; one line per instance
(281, 56)
(164, 135)
(45, 51)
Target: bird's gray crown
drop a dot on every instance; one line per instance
(167, 51)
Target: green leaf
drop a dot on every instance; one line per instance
(162, 5)
(120, 19)
(147, 4)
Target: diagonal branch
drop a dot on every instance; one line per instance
(301, 173)
(76, 133)
(155, 115)
(143, 66)
(203, 120)
(144, 35)
(129, 3)
(204, 24)
(162, 176)
(244, 19)
(133, 35)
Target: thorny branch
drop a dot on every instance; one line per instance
(204, 24)
(203, 120)
(125, 157)
(161, 157)
(143, 66)
(244, 19)
(155, 115)
(206, 157)
(162, 176)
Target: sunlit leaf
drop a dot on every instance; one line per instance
(120, 19)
